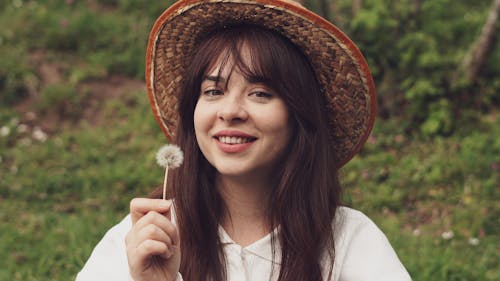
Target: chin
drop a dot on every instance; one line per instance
(230, 172)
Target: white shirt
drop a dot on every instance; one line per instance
(362, 253)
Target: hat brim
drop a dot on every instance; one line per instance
(340, 67)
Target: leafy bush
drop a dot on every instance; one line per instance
(63, 99)
(415, 53)
(16, 76)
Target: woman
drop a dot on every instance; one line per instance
(267, 101)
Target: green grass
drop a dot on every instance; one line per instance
(58, 197)
(419, 190)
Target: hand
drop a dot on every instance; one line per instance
(153, 242)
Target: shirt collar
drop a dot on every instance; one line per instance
(261, 248)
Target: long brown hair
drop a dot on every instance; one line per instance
(307, 192)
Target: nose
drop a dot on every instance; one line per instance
(232, 109)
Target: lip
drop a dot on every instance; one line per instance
(233, 133)
(233, 148)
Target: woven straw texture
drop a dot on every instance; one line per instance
(339, 66)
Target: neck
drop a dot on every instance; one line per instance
(246, 219)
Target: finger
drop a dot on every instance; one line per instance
(153, 232)
(136, 252)
(139, 248)
(148, 249)
(141, 206)
(161, 222)
(151, 219)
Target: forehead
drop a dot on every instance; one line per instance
(232, 59)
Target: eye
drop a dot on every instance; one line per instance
(262, 94)
(212, 92)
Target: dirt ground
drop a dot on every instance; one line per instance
(95, 92)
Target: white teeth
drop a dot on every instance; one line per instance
(233, 140)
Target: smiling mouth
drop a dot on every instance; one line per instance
(234, 140)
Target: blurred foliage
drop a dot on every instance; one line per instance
(62, 98)
(108, 35)
(415, 53)
(15, 75)
(428, 175)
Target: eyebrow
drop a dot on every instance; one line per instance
(252, 79)
(215, 78)
(258, 79)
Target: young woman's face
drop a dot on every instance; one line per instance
(242, 127)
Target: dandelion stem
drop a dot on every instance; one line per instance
(165, 184)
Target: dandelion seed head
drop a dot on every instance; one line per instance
(473, 241)
(22, 128)
(169, 156)
(39, 135)
(4, 131)
(447, 235)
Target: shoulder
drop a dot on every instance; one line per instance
(108, 260)
(349, 221)
(121, 228)
(362, 251)
(352, 228)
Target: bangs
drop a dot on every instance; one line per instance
(269, 58)
(268, 54)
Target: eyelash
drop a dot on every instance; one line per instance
(256, 94)
(261, 94)
(213, 92)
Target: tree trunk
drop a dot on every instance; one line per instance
(418, 5)
(332, 10)
(477, 55)
(356, 6)
(324, 9)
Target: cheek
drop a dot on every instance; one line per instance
(196, 119)
(203, 119)
(199, 127)
(277, 123)
(279, 131)
(199, 118)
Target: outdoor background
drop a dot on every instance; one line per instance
(78, 140)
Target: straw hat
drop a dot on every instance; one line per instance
(340, 67)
